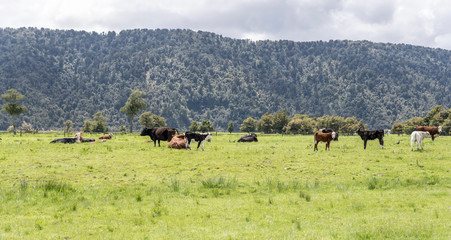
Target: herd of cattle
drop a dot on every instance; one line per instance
(183, 141)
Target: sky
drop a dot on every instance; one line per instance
(417, 22)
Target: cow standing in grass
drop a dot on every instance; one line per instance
(371, 135)
(159, 133)
(328, 130)
(434, 131)
(418, 136)
(197, 137)
(323, 137)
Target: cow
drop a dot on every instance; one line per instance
(77, 139)
(434, 131)
(328, 130)
(371, 135)
(323, 137)
(159, 133)
(177, 142)
(249, 138)
(418, 136)
(197, 137)
(109, 136)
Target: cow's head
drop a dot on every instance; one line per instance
(78, 137)
(334, 134)
(208, 137)
(357, 132)
(146, 132)
(439, 129)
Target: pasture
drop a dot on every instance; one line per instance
(276, 188)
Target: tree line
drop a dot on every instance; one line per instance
(279, 122)
(193, 75)
(438, 116)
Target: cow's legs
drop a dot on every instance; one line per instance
(364, 144)
(327, 145)
(188, 144)
(316, 146)
(381, 142)
(198, 145)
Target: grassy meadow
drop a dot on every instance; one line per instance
(278, 188)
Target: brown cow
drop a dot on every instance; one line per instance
(109, 136)
(434, 131)
(178, 142)
(323, 137)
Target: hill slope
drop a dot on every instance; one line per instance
(187, 75)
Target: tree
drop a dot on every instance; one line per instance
(99, 123)
(300, 126)
(280, 120)
(194, 126)
(397, 128)
(230, 127)
(12, 106)
(206, 126)
(411, 124)
(150, 120)
(350, 125)
(133, 106)
(67, 126)
(88, 126)
(26, 128)
(430, 117)
(265, 124)
(248, 125)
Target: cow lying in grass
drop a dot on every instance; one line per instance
(249, 138)
(418, 136)
(323, 137)
(177, 142)
(77, 139)
(109, 136)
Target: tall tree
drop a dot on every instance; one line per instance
(194, 126)
(67, 126)
(12, 98)
(265, 124)
(248, 125)
(280, 121)
(134, 105)
(206, 126)
(230, 127)
(150, 120)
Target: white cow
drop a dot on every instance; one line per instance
(418, 136)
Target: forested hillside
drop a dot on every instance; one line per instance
(190, 76)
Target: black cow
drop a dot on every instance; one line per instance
(197, 137)
(249, 138)
(371, 135)
(64, 140)
(328, 130)
(72, 140)
(159, 133)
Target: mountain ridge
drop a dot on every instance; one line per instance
(190, 76)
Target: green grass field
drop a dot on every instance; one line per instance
(278, 188)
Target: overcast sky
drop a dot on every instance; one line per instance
(417, 22)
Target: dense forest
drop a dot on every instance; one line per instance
(189, 76)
